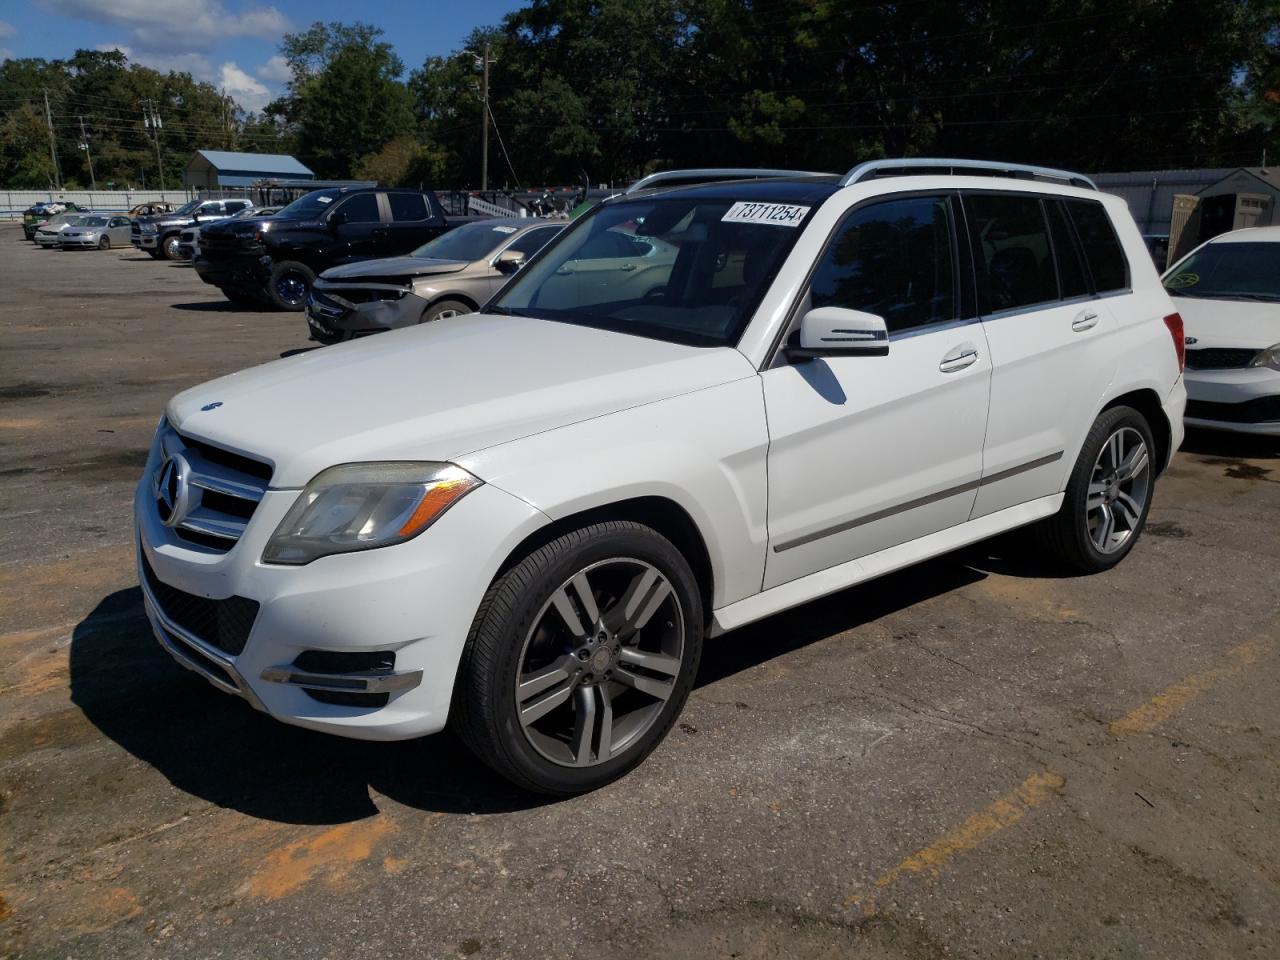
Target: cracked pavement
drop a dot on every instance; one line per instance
(979, 757)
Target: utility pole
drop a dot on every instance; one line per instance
(88, 154)
(53, 146)
(484, 123)
(151, 119)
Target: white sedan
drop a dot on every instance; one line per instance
(1228, 292)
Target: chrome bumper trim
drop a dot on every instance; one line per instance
(346, 682)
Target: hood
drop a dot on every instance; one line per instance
(1230, 323)
(241, 224)
(392, 267)
(439, 391)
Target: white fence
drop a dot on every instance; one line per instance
(13, 202)
(476, 205)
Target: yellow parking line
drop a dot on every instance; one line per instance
(1173, 698)
(1039, 787)
(986, 823)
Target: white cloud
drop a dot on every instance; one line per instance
(251, 94)
(176, 25)
(197, 64)
(5, 54)
(275, 70)
(7, 29)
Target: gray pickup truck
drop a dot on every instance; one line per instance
(159, 235)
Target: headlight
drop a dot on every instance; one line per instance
(148, 228)
(1269, 357)
(359, 506)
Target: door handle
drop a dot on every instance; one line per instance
(1085, 321)
(965, 355)
(627, 267)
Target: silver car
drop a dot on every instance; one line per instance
(454, 273)
(49, 232)
(96, 232)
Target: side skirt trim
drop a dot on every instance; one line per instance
(824, 582)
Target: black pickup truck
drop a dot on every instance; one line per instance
(254, 260)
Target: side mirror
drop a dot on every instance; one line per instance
(509, 261)
(336, 220)
(838, 332)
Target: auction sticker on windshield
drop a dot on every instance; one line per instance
(778, 214)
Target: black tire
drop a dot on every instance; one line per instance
(104, 243)
(445, 308)
(484, 708)
(169, 247)
(1066, 535)
(290, 282)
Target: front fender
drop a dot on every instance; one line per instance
(705, 451)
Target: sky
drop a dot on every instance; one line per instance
(233, 44)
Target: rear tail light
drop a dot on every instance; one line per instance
(1174, 322)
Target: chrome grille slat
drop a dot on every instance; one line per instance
(213, 524)
(210, 476)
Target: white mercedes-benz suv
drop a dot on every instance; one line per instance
(523, 522)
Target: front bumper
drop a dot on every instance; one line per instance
(416, 599)
(1245, 400)
(248, 271)
(146, 241)
(78, 243)
(48, 242)
(333, 315)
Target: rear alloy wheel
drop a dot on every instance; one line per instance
(104, 243)
(290, 284)
(1108, 495)
(445, 309)
(169, 247)
(581, 658)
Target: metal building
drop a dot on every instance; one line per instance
(213, 169)
(1177, 210)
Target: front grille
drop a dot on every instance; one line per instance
(1220, 358)
(223, 624)
(222, 490)
(1258, 410)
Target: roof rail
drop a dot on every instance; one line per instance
(676, 178)
(922, 165)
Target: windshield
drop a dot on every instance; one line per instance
(60, 219)
(309, 205)
(187, 207)
(685, 269)
(1229, 271)
(91, 222)
(472, 241)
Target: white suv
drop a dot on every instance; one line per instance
(525, 521)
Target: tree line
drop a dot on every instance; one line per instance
(610, 89)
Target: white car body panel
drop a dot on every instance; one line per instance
(873, 463)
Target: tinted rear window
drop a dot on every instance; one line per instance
(1102, 249)
(1011, 241)
(1071, 275)
(407, 206)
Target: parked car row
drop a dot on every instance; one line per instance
(693, 408)
(89, 230)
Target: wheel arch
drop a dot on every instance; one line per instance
(659, 513)
(460, 297)
(1147, 402)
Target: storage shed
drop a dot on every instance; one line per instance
(212, 169)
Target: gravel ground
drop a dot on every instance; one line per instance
(979, 757)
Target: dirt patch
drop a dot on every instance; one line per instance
(1167, 528)
(25, 391)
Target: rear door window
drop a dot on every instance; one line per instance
(894, 259)
(361, 208)
(407, 207)
(1012, 250)
(1102, 248)
(1071, 275)
(533, 241)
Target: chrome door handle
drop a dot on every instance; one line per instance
(954, 361)
(627, 267)
(1085, 321)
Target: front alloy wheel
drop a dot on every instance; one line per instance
(600, 662)
(580, 658)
